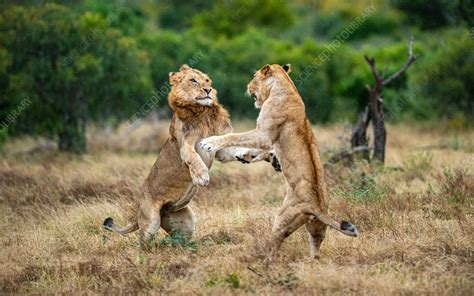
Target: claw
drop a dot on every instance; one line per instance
(242, 160)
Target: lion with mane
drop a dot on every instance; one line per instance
(181, 165)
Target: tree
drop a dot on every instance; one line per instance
(177, 14)
(374, 110)
(446, 83)
(231, 18)
(436, 13)
(68, 66)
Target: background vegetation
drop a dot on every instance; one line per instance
(415, 217)
(79, 75)
(83, 62)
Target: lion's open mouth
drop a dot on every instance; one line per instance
(254, 96)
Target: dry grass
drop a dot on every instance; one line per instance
(415, 217)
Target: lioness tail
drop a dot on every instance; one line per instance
(344, 227)
(109, 223)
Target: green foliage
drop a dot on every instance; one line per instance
(418, 165)
(178, 239)
(288, 280)
(447, 84)
(457, 187)
(124, 15)
(100, 61)
(3, 137)
(231, 18)
(364, 188)
(436, 13)
(72, 68)
(231, 279)
(177, 14)
(220, 238)
(332, 24)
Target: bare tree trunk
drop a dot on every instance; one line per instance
(378, 123)
(359, 135)
(374, 111)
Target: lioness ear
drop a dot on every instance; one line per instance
(287, 68)
(184, 67)
(175, 77)
(266, 70)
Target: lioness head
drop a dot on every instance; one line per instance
(262, 82)
(192, 87)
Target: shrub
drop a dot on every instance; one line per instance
(445, 80)
(3, 136)
(178, 239)
(418, 165)
(231, 279)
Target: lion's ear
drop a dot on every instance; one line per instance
(184, 67)
(265, 70)
(287, 68)
(175, 77)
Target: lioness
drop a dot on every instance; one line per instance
(181, 165)
(282, 125)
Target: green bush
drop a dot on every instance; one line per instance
(436, 13)
(177, 239)
(100, 61)
(72, 68)
(231, 18)
(443, 83)
(3, 136)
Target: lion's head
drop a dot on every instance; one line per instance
(192, 87)
(259, 87)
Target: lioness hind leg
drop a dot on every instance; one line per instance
(285, 224)
(316, 234)
(182, 221)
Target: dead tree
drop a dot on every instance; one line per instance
(374, 110)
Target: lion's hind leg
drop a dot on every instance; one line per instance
(149, 221)
(182, 220)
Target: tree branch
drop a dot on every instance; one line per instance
(347, 153)
(373, 68)
(411, 59)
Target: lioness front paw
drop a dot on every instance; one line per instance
(246, 155)
(200, 177)
(210, 144)
(275, 162)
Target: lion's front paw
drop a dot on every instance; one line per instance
(200, 177)
(210, 144)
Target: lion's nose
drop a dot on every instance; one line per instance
(208, 90)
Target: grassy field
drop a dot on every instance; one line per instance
(415, 216)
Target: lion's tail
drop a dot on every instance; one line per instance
(132, 226)
(344, 227)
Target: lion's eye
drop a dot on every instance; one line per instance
(207, 80)
(193, 80)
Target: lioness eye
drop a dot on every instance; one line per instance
(193, 80)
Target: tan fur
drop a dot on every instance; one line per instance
(181, 165)
(282, 125)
